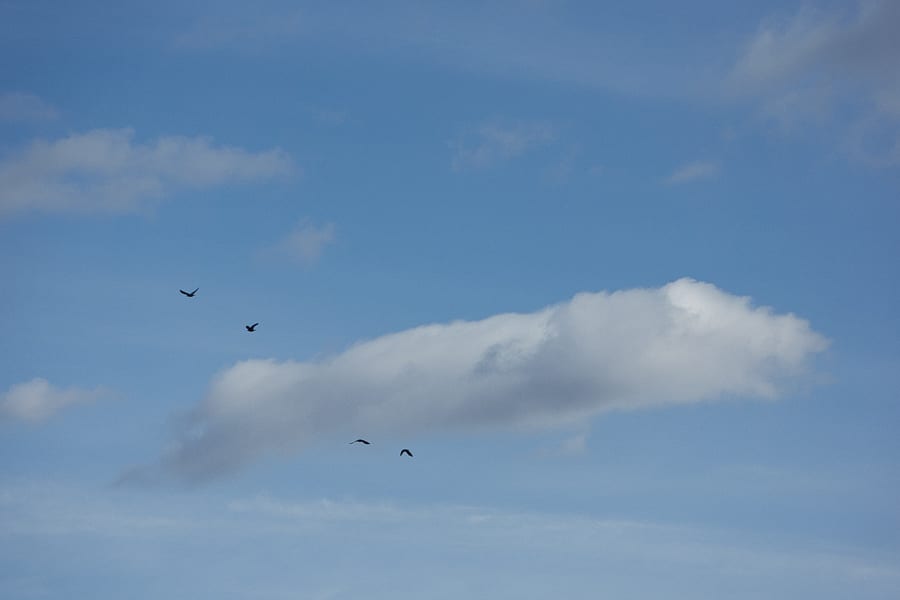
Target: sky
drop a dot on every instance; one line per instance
(622, 277)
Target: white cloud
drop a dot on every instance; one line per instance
(306, 242)
(495, 142)
(37, 400)
(702, 169)
(105, 170)
(21, 106)
(683, 343)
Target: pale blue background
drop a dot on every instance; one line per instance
(795, 498)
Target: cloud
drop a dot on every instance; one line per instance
(821, 45)
(37, 400)
(494, 142)
(535, 41)
(420, 546)
(701, 169)
(21, 106)
(306, 242)
(574, 445)
(821, 64)
(683, 343)
(106, 171)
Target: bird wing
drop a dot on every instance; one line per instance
(195, 291)
(254, 325)
(184, 292)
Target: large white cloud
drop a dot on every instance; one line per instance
(684, 342)
(38, 400)
(105, 170)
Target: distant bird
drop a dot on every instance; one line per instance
(406, 452)
(361, 441)
(251, 328)
(189, 294)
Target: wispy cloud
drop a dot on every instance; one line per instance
(494, 142)
(701, 169)
(22, 106)
(418, 545)
(306, 242)
(247, 31)
(532, 41)
(37, 400)
(574, 445)
(685, 342)
(818, 45)
(106, 171)
(818, 64)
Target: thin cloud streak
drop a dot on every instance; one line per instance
(534, 41)
(694, 171)
(683, 343)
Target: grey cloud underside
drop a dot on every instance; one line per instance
(685, 342)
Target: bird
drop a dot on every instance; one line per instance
(189, 294)
(406, 452)
(251, 328)
(361, 441)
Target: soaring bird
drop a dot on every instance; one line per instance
(406, 452)
(189, 294)
(251, 328)
(361, 441)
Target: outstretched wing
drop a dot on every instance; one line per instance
(184, 292)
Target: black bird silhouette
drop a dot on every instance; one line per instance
(251, 328)
(406, 452)
(361, 441)
(189, 294)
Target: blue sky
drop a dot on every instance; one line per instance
(623, 278)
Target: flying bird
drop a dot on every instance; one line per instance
(189, 294)
(251, 328)
(361, 441)
(406, 452)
